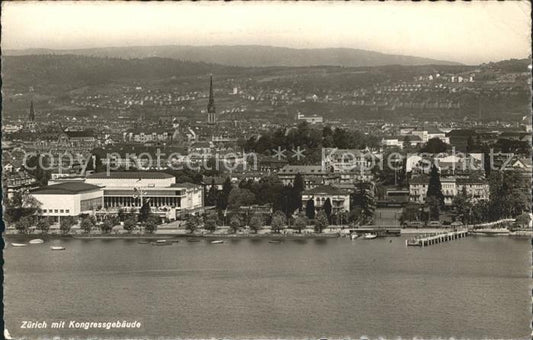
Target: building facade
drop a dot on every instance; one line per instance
(339, 198)
(475, 188)
(128, 190)
(69, 199)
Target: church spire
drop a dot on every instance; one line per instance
(211, 112)
(31, 116)
(211, 104)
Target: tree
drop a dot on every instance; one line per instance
(210, 223)
(434, 206)
(87, 225)
(256, 221)
(364, 199)
(107, 226)
(368, 206)
(24, 224)
(434, 145)
(211, 197)
(410, 212)
(240, 197)
(463, 205)
(235, 223)
(66, 224)
(222, 198)
(35, 165)
(310, 209)
(144, 212)
(191, 224)
(297, 188)
(300, 222)
(43, 225)
(20, 205)
(121, 214)
(150, 225)
(278, 221)
(130, 223)
(510, 194)
(434, 196)
(523, 220)
(327, 209)
(321, 221)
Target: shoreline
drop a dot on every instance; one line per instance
(404, 232)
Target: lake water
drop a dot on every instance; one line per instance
(475, 287)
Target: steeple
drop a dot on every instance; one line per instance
(211, 104)
(211, 112)
(31, 116)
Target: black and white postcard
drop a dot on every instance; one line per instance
(266, 170)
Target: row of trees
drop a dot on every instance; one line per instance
(277, 221)
(23, 211)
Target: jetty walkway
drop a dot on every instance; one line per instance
(436, 238)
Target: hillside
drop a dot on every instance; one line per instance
(248, 55)
(73, 71)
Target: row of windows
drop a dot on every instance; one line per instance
(57, 211)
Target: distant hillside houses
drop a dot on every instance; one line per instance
(313, 119)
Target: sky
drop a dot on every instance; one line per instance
(467, 32)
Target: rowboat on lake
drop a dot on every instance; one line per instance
(217, 242)
(161, 243)
(19, 244)
(36, 241)
(57, 248)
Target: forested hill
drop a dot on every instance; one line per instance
(75, 71)
(250, 55)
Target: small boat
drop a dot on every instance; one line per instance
(174, 241)
(370, 236)
(19, 244)
(217, 242)
(36, 241)
(57, 248)
(354, 236)
(143, 242)
(161, 243)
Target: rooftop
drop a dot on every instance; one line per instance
(325, 190)
(302, 169)
(131, 175)
(68, 188)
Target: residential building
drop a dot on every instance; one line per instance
(339, 198)
(313, 175)
(475, 187)
(313, 119)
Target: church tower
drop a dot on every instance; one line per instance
(211, 112)
(31, 116)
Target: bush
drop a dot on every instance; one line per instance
(66, 224)
(321, 221)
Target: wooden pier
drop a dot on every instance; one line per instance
(427, 240)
